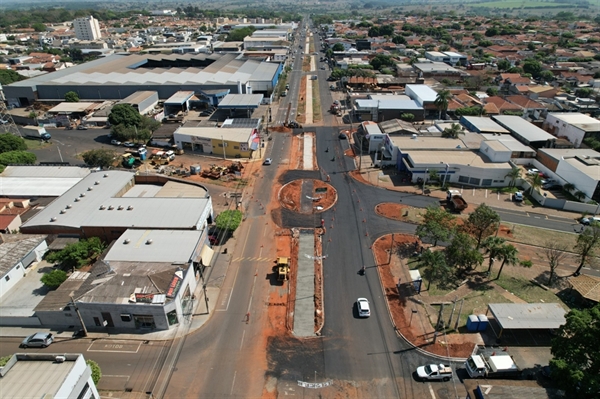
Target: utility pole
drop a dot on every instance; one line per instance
(85, 333)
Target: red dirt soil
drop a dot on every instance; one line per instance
(290, 195)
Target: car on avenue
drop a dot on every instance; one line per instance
(518, 196)
(38, 340)
(434, 372)
(364, 310)
(267, 161)
(589, 220)
(128, 144)
(115, 142)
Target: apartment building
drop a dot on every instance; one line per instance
(87, 28)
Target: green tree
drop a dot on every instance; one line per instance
(534, 67)
(54, 279)
(124, 114)
(493, 248)
(229, 220)
(508, 254)
(380, 61)
(77, 254)
(536, 181)
(513, 175)
(576, 362)
(238, 35)
(580, 195)
(462, 252)
(453, 131)
(71, 97)
(17, 157)
(441, 102)
(483, 222)
(10, 142)
(504, 65)
(408, 117)
(96, 371)
(587, 243)
(99, 158)
(338, 47)
(438, 225)
(435, 267)
(399, 39)
(8, 76)
(39, 27)
(492, 91)
(548, 76)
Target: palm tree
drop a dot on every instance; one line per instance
(508, 253)
(434, 175)
(580, 195)
(535, 181)
(569, 187)
(453, 131)
(435, 265)
(514, 174)
(493, 247)
(441, 102)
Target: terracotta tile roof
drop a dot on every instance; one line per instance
(525, 102)
(502, 105)
(491, 109)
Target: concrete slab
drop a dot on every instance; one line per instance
(307, 153)
(306, 193)
(304, 309)
(21, 299)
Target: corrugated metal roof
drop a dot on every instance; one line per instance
(579, 120)
(179, 98)
(138, 97)
(528, 315)
(240, 135)
(244, 101)
(426, 157)
(521, 127)
(30, 379)
(13, 251)
(46, 171)
(36, 187)
(485, 125)
(75, 107)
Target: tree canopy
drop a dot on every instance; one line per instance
(229, 220)
(482, 222)
(576, 364)
(381, 60)
(99, 158)
(10, 142)
(8, 76)
(78, 254)
(54, 279)
(17, 157)
(238, 35)
(124, 114)
(438, 225)
(71, 97)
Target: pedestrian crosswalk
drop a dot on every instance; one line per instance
(249, 259)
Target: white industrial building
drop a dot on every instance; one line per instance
(29, 181)
(47, 375)
(17, 253)
(575, 126)
(87, 28)
(447, 57)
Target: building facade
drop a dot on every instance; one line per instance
(87, 28)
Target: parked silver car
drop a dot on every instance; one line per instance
(38, 340)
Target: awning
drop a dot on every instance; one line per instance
(206, 255)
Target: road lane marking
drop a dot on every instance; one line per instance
(232, 384)
(231, 293)
(115, 346)
(243, 335)
(431, 390)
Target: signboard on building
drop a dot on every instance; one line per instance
(174, 287)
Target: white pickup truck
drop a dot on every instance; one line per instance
(434, 372)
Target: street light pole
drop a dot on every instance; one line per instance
(425, 180)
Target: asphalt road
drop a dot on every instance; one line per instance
(124, 364)
(67, 144)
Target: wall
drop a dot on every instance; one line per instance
(581, 181)
(494, 155)
(158, 312)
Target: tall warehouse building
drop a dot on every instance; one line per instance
(87, 28)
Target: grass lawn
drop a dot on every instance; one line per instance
(316, 102)
(34, 144)
(528, 291)
(536, 236)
